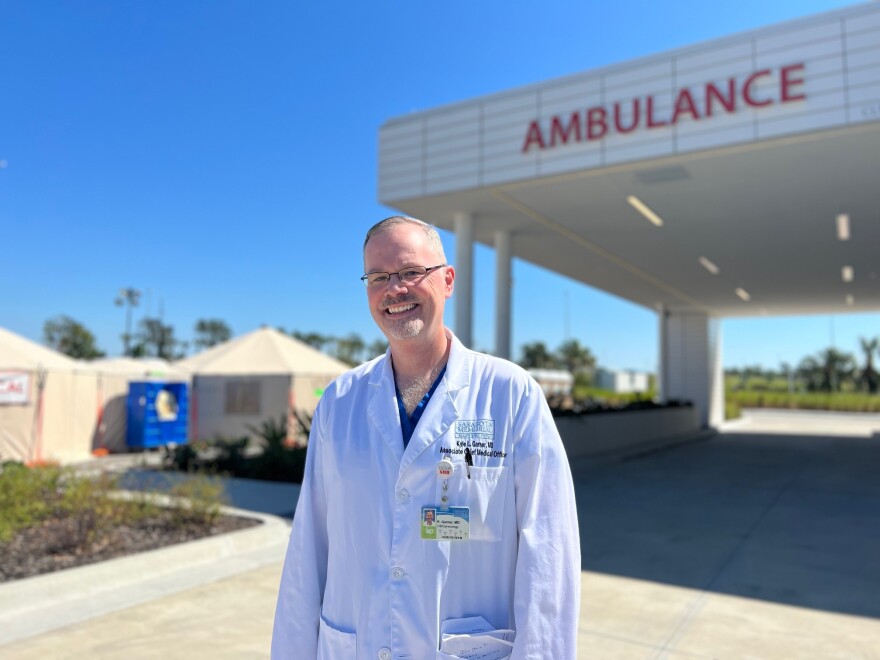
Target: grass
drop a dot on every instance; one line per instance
(836, 401)
(30, 496)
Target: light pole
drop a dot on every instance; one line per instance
(128, 297)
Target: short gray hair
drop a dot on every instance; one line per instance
(386, 225)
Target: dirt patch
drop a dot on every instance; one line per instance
(55, 543)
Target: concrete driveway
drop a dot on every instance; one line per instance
(757, 543)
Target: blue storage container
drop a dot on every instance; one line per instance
(157, 414)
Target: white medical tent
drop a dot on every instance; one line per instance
(48, 403)
(258, 376)
(114, 376)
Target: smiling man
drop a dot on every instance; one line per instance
(437, 516)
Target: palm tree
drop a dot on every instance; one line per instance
(536, 356)
(836, 367)
(869, 378)
(574, 357)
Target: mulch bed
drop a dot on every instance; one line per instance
(53, 545)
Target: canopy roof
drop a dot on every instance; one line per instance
(148, 367)
(16, 352)
(262, 352)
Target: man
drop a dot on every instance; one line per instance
(429, 425)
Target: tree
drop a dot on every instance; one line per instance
(536, 356)
(71, 338)
(313, 339)
(836, 367)
(868, 377)
(156, 339)
(574, 357)
(210, 332)
(376, 348)
(349, 349)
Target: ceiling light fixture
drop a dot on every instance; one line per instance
(742, 293)
(708, 265)
(850, 299)
(843, 227)
(642, 208)
(847, 273)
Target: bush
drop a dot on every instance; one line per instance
(84, 507)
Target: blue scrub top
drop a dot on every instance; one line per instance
(407, 423)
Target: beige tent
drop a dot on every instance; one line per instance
(48, 403)
(253, 378)
(114, 375)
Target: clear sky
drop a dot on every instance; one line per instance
(222, 157)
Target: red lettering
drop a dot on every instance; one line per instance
(634, 123)
(787, 83)
(747, 89)
(574, 126)
(728, 103)
(533, 135)
(684, 103)
(597, 119)
(653, 123)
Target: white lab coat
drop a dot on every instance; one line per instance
(359, 581)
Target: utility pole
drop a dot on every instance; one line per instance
(128, 297)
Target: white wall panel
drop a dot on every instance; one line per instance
(718, 74)
(628, 76)
(710, 139)
(716, 123)
(451, 183)
(864, 94)
(866, 21)
(565, 107)
(863, 40)
(863, 58)
(802, 123)
(506, 174)
(795, 54)
(402, 129)
(800, 37)
(708, 57)
(578, 160)
(640, 151)
(865, 76)
(573, 91)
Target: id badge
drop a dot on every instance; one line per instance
(441, 523)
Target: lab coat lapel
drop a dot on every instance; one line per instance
(442, 410)
(382, 407)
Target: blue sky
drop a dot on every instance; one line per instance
(222, 156)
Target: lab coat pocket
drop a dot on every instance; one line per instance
(335, 644)
(484, 493)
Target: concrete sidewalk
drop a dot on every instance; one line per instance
(748, 545)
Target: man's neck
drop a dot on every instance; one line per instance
(418, 360)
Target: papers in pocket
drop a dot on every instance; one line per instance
(474, 638)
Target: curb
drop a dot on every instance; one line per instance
(43, 603)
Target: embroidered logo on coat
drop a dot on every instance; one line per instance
(475, 429)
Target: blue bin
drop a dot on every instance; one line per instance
(157, 414)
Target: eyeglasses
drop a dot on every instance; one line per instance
(408, 275)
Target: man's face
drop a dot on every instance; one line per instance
(407, 311)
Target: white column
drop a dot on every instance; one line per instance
(662, 357)
(464, 277)
(503, 281)
(690, 363)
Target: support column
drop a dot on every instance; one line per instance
(464, 277)
(503, 281)
(690, 363)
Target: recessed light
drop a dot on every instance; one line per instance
(742, 293)
(843, 226)
(642, 208)
(850, 299)
(708, 265)
(847, 273)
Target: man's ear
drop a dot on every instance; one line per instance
(449, 280)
